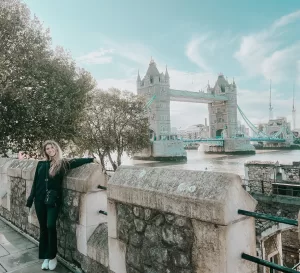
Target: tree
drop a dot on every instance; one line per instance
(114, 122)
(42, 92)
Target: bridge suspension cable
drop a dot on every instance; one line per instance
(149, 102)
(250, 124)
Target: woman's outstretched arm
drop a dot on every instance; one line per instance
(77, 162)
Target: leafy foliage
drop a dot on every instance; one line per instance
(42, 92)
(114, 123)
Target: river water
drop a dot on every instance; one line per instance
(198, 160)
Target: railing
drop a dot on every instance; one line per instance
(267, 139)
(268, 187)
(286, 189)
(268, 264)
(296, 266)
(274, 219)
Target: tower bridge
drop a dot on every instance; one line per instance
(222, 108)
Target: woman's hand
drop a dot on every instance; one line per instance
(22, 155)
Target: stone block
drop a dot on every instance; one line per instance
(90, 204)
(4, 164)
(117, 253)
(28, 170)
(98, 245)
(86, 178)
(16, 167)
(28, 187)
(112, 219)
(4, 202)
(240, 238)
(206, 196)
(83, 233)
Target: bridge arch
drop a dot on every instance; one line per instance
(219, 133)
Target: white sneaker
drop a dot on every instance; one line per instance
(45, 265)
(53, 264)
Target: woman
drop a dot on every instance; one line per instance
(46, 193)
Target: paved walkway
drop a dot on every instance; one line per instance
(18, 254)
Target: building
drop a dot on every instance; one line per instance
(276, 187)
(196, 131)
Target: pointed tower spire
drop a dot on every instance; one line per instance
(270, 104)
(294, 109)
(167, 73)
(138, 77)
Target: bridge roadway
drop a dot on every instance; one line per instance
(196, 97)
(220, 141)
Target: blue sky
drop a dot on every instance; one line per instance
(196, 39)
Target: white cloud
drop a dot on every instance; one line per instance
(287, 19)
(132, 51)
(97, 57)
(128, 84)
(193, 52)
(202, 48)
(255, 105)
(267, 53)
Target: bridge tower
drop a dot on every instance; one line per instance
(158, 84)
(223, 115)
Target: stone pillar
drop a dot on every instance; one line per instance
(83, 201)
(165, 220)
(4, 191)
(82, 231)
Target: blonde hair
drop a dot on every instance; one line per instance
(57, 162)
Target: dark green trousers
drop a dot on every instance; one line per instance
(47, 217)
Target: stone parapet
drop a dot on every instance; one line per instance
(166, 220)
(158, 219)
(182, 192)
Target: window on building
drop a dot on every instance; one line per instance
(151, 80)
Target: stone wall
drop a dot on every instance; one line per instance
(259, 176)
(155, 241)
(158, 219)
(290, 247)
(166, 220)
(290, 173)
(79, 223)
(272, 250)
